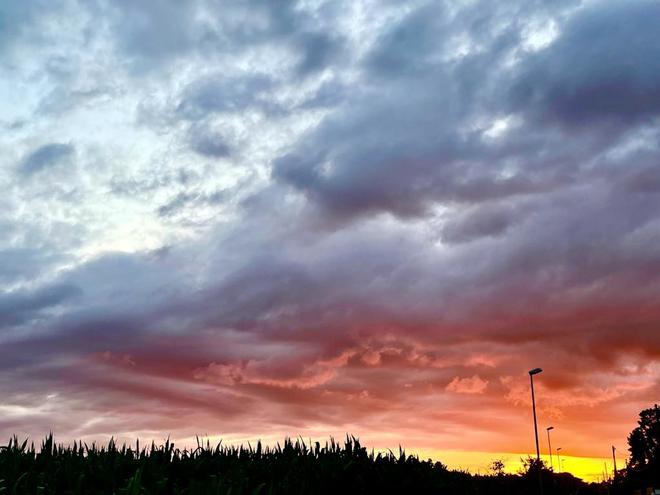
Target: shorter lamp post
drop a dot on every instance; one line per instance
(558, 459)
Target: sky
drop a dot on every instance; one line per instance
(252, 219)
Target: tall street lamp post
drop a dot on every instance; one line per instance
(549, 445)
(533, 372)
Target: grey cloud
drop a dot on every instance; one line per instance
(151, 33)
(319, 51)
(220, 93)
(329, 95)
(18, 19)
(393, 149)
(389, 148)
(378, 163)
(645, 180)
(208, 143)
(103, 278)
(363, 274)
(191, 199)
(297, 27)
(21, 263)
(46, 157)
(112, 303)
(483, 221)
(605, 67)
(18, 307)
(407, 47)
(63, 98)
(142, 185)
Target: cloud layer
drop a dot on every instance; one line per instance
(237, 219)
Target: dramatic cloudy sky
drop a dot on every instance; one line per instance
(252, 219)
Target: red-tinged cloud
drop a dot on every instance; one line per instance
(467, 385)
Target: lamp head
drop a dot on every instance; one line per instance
(550, 428)
(558, 449)
(535, 371)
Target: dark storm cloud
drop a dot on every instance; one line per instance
(390, 148)
(46, 157)
(605, 67)
(405, 174)
(393, 149)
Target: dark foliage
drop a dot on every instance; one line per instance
(293, 468)
(644, 441)
(643, 469)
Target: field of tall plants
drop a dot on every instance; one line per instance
(294, 467)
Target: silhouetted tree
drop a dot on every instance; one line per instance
(644, 441)
(497, 467)
(644, 445)
(531, 465)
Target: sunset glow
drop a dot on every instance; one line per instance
(253, 220)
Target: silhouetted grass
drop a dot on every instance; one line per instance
(295, 467)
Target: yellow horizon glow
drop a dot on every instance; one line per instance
(589, 469)
(586, 468)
